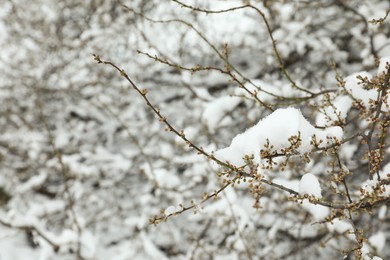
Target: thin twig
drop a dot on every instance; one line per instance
(269, 30)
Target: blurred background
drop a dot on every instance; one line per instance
(85, 163)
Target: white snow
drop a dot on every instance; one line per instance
(170, 210)
(341, 227)
(382, 65)
(123, 173)
(217, 109)
(365, 251)
(62, 139)
(371, 187)
(166, 179)
(46, 208)
(277, 128)
(318, 212)
(89, 245)
(355, 88)
(16, 247)
(33, 182)
(139, 222)
(385, 170)
(337, 112)
(230, 256)
(150, 248)
(382, 43)
(309, 185)
(382, 212)
(67, 236)
(378, 241)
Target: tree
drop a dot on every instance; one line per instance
(285, 103)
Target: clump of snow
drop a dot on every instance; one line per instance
(310, 185)
(348, 151)
(89, 244)
(62, 138)
(382, 65)
(366, 253)
(382, 212)
(381, 41)
(318, 212)
(150, 248)
(341, 227)
(277, 128)
(330, 132)
(385, 170)
(45, 208)
(371, 187)
(217, 109)
(378, 241)
(335, 113)
(170, 210)
(16, 247)
(355, 88)
(166, 179)
(33, 182)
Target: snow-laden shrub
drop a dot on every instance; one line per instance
(275, 114)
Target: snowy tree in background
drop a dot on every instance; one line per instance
(267, 119)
